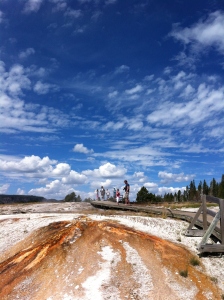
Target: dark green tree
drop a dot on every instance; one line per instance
(192, 191)
(221, 188)
(179, 196)
(72, 198)
(214, 188)
(205, 188)
(144, 196)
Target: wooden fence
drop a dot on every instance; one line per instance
(213, 225)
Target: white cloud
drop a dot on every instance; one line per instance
(4, 188)
(205, 33)
(61, 169)
(74, 178)
(113, 125)
(32, 6)
(163, 190)
(139, 174)
(135, 125)
(44, 88)
(205, 99)
(170, 177)
(13, 81)
(54, 189)
(122, 69)
(29, 164)
(16, 116)
(149, 77)
(107, 170)
(138, 88)
(82, 149)
(26, 53)
(20, 191)
(113, 94)
(97, 184)
(73, 13)
(151, 186)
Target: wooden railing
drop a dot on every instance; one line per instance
(209, 228)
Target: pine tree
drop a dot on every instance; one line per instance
(221, 188)
(205, 188)
(144, 196)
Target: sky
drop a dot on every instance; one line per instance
(93, 92)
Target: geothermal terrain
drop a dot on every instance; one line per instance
(72, 251)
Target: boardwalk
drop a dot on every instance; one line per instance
(166, 212)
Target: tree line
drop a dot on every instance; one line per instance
(191, 193)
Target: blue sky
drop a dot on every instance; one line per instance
(93, 92)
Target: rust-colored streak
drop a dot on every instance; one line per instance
(58, 258)
(48, 238)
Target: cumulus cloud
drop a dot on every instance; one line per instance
(20, 191)
(97, 184)
(61, 169)
(151, 186)
(14, 81)
(163, 190)
(140, 176)
(54, 189)
(36, 167)
(82, 149)
(29, 164)
(170, 177)
(74, 178)
(106, 170)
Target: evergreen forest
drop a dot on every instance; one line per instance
(191, 193)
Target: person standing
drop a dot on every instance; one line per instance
(102, 192)
(97, 195)
(127, 190)
(114, 193)
(108, 194)
(118, 196)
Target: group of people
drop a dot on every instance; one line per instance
(102, 194)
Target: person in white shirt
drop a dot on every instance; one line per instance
(102, 192)
(108, 194)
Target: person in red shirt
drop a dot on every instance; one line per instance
(117, 196)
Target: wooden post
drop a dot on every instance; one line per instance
(205, 225)
(221, 206)
(209, 231)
